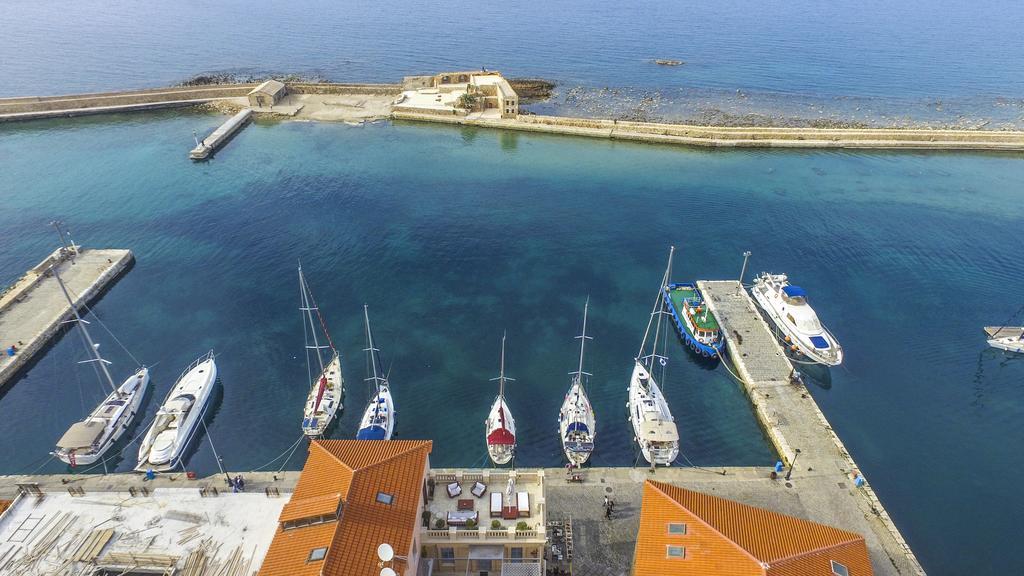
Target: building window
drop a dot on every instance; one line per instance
(839, 570)
(675, 552)
(516, 555)
(385, 498)
(677, 529)
(317, 554)
(447, 555)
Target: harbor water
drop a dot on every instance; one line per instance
(454, 235)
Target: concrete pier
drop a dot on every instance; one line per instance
(823, 471)
(32, 310)
(221, 135)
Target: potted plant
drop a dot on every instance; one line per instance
(439, 524)
(426, 518)
(522, 527)
(470, 524)
(495, 525)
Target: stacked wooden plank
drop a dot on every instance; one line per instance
(90, 548)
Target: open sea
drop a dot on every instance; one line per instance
(454, 235)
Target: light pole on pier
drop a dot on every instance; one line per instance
(792, 464)
(743, 271)
(56, 226)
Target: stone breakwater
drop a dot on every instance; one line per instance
(378, 96)
(748, 137)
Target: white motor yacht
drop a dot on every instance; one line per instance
(179, 417)
(787, 307)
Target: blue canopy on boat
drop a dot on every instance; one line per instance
(370, 433)
(794, 291)
(577, 427)
(819, 342)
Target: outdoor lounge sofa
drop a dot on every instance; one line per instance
(479, 489)
(523, 503)
(454, 489)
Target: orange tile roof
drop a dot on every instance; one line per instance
(354, 471)
(5, 504)
(309, 507)
(770, 537)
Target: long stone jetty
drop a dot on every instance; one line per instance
(823, 470)
(33, 309)
(741, 137)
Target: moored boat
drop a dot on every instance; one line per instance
(694, 323)
(378, 422)
(577, 425)
(179, 417)
(327, 389)
(500, 426)
(786, 305)
(654, 428)
(1009, 338)
(86, 442)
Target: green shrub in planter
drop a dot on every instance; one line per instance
(495, 525)
(439, 524)
(522, 527)
(470, 524)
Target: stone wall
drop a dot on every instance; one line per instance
(105, 99)
(331, 88)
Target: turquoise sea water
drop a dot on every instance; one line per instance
(455, 235)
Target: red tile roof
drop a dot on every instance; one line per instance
(767, 536)
(354, 471)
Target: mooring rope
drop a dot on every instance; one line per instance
(278, 457)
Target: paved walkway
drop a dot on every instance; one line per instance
(37, 317)
(798, 429)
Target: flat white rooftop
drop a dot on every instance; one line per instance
(60, 533)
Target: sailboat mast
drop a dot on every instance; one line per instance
(308, 309)
(658, 304)
(371, 349)
(583, 340)
(93, 350)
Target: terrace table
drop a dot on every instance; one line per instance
(465, 504)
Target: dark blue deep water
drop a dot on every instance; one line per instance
(454, 235)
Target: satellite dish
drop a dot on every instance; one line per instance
(388, 572)
(386, 553)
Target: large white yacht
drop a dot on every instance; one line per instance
(179, 417)
(654, 428)
(85, 442)
(787, 307)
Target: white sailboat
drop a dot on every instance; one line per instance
(378, 421)
(179, 417)
(500, 427)
(85, 442)
(787, 306)
(1009, 338)
(653, 425)
(327, 389)
(577, 426)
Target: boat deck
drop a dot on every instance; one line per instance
(679, 294)
(824, 472)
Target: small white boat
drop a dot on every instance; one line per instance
(1009, 338)
(85, 442)
(327, 389)
(500, 427)
(378, 421)
(179, 417)
(577, 427)
(787, 307)
(654, 428)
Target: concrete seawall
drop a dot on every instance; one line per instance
(748, 137)
(97, 103)
(40, 309)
